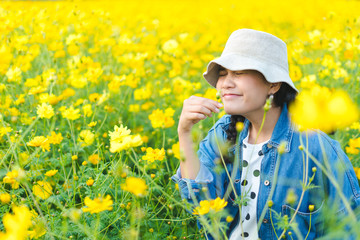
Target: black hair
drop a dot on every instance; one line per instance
(285, 95)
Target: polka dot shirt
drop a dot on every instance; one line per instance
(250, 182)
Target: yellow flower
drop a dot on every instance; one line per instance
(42, 189)
(203, 209)
(94, 97)
(311, 208)
(71, 113)
(319, 108)
(40, 141)
(206, 205)
(51, 173)
(87, 110)
(90, 182)
(136, 186)
(161, 119)
(170, 46)
(354, 146)
(4, 131)
(37, 231)
(94, 159)
(134, 108)
(5, 198)
(176, 150)
(218, 204)
(14, 74)
(143, 93)
(92, 124)
(120, 139)
(11, 177)
(154, 154)
(55, 138)
(68, 92)
(45, 111)
(357, 172)
(97, 205)
(86, 137)
(17, 224)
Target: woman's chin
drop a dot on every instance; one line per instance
(232, 111)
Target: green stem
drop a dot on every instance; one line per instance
(309, 227)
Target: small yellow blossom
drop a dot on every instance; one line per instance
(74, 157)
(90, 182)
(136, 186)
(87, 110)
(51, 173)
(4, 131)
(40, 141)
(206, 205)
(42, 189)
(176, 150)
(45, 111)
(97, 205)
(11, 178)
(92, 124)
(5, 198)
(55, 138)
(94, 159)
(16, 224)
(154, 154)
(71, 113)
(120, 139)
(162, 119)
(86, 137)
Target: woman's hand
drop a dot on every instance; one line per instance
(196, 109)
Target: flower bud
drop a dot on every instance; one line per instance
(311, 208)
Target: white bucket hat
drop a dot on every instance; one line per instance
(248, 49)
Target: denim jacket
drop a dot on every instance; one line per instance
(293, 166)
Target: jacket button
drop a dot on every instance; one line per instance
(266, 182)
(269, 145)
(265, 221)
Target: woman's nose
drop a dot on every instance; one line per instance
(227, 81)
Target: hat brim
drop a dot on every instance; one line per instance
(235, 62)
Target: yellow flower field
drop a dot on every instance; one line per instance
(91, 92)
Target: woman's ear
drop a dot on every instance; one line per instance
(274, 87)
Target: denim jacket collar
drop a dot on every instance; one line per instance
(283, 131)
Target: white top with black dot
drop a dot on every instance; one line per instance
(250, 182)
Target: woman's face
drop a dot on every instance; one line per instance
(242, 92)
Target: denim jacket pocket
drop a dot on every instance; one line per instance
(303, 221)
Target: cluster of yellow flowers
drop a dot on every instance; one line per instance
(210, 205)
(162, 119)
(321, 108)
(354, 146)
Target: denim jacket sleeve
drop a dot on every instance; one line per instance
(343, 172)
(340, 169)
(207, 153)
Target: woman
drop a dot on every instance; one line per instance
(271, 164)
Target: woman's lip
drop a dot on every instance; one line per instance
(231, 96)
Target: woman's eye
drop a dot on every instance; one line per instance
(222, 73)
(238, 73)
